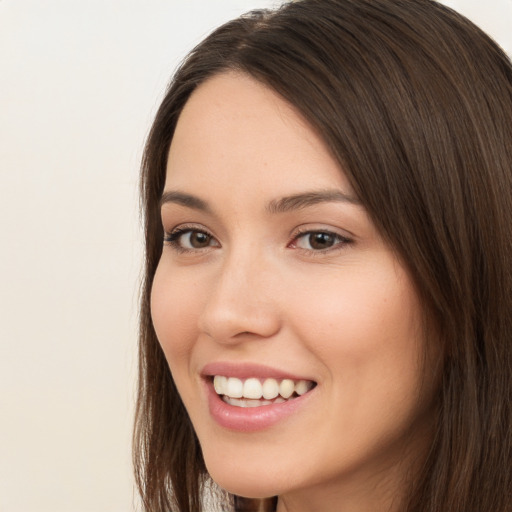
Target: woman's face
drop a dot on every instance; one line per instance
(274, 279)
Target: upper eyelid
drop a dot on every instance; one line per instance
(184, 227)
(302, 230)
(325, 231)
(181, 230)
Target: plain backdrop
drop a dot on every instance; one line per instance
(79, 84)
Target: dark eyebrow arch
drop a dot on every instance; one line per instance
(303, 200)
(183, 199)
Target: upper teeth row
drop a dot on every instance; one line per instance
(254, 388)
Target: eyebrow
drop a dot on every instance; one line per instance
(282, 205)
(306, 199)
(184, 199)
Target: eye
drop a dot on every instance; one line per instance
(190, 239)
(319, 241)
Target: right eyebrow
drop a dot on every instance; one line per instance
(188, 200)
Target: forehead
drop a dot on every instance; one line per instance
(232, 98)
(234, 125)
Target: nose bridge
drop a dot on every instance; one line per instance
(240, 299)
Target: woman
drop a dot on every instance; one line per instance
(326, 309)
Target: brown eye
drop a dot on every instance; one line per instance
(191, 239)
(197, 239)
(320, 241)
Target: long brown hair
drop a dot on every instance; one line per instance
(415, 103)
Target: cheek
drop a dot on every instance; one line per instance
(366, 330)
(174, 308)
(358, 313)
(369, 340)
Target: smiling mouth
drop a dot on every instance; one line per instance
(254, 392)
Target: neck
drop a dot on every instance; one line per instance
(372, 497)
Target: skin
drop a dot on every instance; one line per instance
(345, 314)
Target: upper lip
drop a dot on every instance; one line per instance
(245, 370)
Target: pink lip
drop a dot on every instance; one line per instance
(247, 370)
(250, 419)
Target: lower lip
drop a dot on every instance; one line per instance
(250, 419)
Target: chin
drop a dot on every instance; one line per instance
(244, 482)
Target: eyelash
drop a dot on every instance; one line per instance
(173, 239)
(340, 241)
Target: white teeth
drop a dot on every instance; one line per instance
(270, 389)
(303, 386)
(234, 388)
(286, 388)
(242, 402)
(219, 383)
(254, 389)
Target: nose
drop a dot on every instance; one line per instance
(242, 301)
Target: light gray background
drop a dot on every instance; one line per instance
(79, 84)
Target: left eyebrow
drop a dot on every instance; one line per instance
(305, 199)
(184, 199)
